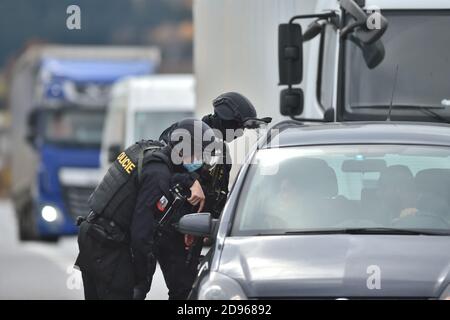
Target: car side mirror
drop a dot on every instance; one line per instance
(373, 53)
(197, 224)
(113, 152)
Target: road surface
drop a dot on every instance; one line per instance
(35, 270)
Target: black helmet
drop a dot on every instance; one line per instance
(198, 133)
(233, 106)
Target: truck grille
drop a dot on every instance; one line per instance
(76, 199)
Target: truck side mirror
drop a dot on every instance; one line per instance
(370, 36)
(373, 53)
(368, 28)
(290, 53)
(113, 152)
(291, 102)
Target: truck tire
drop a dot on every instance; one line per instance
(26, 225)
(27, 230)
(49, 239)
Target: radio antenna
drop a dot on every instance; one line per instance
(392, 96)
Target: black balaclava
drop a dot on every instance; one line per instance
(215, 122)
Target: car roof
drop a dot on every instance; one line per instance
(294, 133)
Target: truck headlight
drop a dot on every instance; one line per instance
(50, 213)
(446, 294)
(220, 287)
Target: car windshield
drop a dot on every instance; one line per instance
(342, 187)
(415, 46)
(150, 124)
(73, 127)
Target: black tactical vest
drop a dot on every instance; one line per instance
(115, 197)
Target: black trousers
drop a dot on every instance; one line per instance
(94, 290)
(107, 269)
(178, 265)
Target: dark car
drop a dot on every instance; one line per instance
(342, 210)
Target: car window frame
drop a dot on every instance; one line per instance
(232, 220)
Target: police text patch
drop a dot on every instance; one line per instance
(126, 162)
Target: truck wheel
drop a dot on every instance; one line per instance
(49, 239)
(26, 227)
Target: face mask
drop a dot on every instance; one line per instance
(191, 167)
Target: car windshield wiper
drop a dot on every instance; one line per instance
(400, 106)
(394, 231)
(428, 110)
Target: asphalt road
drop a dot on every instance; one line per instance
(35, 270)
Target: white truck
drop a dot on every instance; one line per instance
(360, 60)
(142, 107)
(350, 59)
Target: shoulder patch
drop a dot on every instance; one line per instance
(162, 203)
(126, 162)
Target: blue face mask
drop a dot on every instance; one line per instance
(191, 167)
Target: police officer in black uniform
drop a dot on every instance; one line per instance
(233, 113)
(118, 240)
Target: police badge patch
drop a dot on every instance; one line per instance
(162, 203)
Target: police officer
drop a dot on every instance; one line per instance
(117, 240)
(233, 113)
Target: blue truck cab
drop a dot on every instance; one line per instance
(64, 132)
(67, 169)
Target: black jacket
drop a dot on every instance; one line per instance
(205, 179)
(153, 199)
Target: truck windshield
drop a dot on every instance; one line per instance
(414, 42)
(73, 127)
(150, 124)
(388, 188)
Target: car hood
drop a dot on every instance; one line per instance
(338, 266)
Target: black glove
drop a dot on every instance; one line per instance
(143, 286)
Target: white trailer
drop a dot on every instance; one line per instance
(143, 107)
(235, 49)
